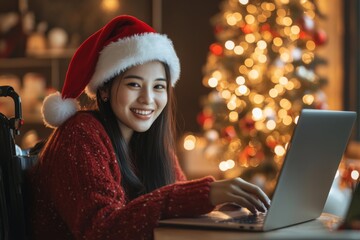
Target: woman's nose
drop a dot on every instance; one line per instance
(146, 96)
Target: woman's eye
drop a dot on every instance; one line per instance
(160, 86)
(133, 84)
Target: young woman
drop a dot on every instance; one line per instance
(112, 173)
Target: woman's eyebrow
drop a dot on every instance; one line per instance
(133, 76)
(161, 79)
(140, 78)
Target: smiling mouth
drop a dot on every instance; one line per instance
(142, 112)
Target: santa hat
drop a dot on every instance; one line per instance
(122, 43)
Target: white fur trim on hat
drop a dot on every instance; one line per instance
(131, 51)
(56, 110)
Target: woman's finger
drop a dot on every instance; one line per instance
(253, 189)
(249, 197)
(243, 202)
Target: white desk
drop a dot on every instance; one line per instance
(321, 228)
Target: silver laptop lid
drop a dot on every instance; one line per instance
(313, 156)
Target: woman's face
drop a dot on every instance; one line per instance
(139, 96)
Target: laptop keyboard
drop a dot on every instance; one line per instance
(249, 219)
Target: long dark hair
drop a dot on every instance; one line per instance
(147, 162)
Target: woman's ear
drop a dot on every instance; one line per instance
(104, 94)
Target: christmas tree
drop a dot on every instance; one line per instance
(262, 69)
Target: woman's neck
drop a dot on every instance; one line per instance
(126, 132)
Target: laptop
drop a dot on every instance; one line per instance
(312, 159)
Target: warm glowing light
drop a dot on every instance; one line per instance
(261, 18)
(189, 142)
(285, 56)
(226, 165)
(307, 57)
(278, 41)
(282, 113)
(240, 80)
(241, 90)
(110, 5)
(244, 2)
(295, 29)
(258, 99)
(283, 80)
(229, 45)
(257, 114)
(287, 120)
(262, 58)
(271, 124)
(231, 105)
(308, 99)
(233, 116)
(261, 44)
(286, 104)
(253, 74)
(237, 16)
(310, 45)
(250, 19)
(213, 82)
(230, 163)
(216, 49)
(279, 150)
(226, 94)
(281, 12)
(289, 67)
(223, 166)
(289, 86)
(355, 174)
(231, 20)
(249, 62)
(279, 88)
(251, 9)
(250, 38)
(217, 74)
(267, 36)
(238, 50)
(287, 21)
(273, 93)
(243, 69)
(268, 6)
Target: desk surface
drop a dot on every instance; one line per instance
(321, 228)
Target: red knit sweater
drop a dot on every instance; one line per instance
(76, 192)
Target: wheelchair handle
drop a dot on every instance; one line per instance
(17, 121)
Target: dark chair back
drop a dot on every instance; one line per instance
(12, 167)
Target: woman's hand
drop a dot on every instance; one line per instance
(240, 192)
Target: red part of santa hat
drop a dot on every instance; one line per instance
(122, 43)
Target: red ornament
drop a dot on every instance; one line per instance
(247, 29)
(216, 49)
(271, 143)
(265, 27)
(251, 156)
(304, 35)
(205, 120)
(229, 132)
(218, 29)
(320, 37)
(247, 124)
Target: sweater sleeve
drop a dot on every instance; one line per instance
(86, 190)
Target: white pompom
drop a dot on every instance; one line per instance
(56, 110)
